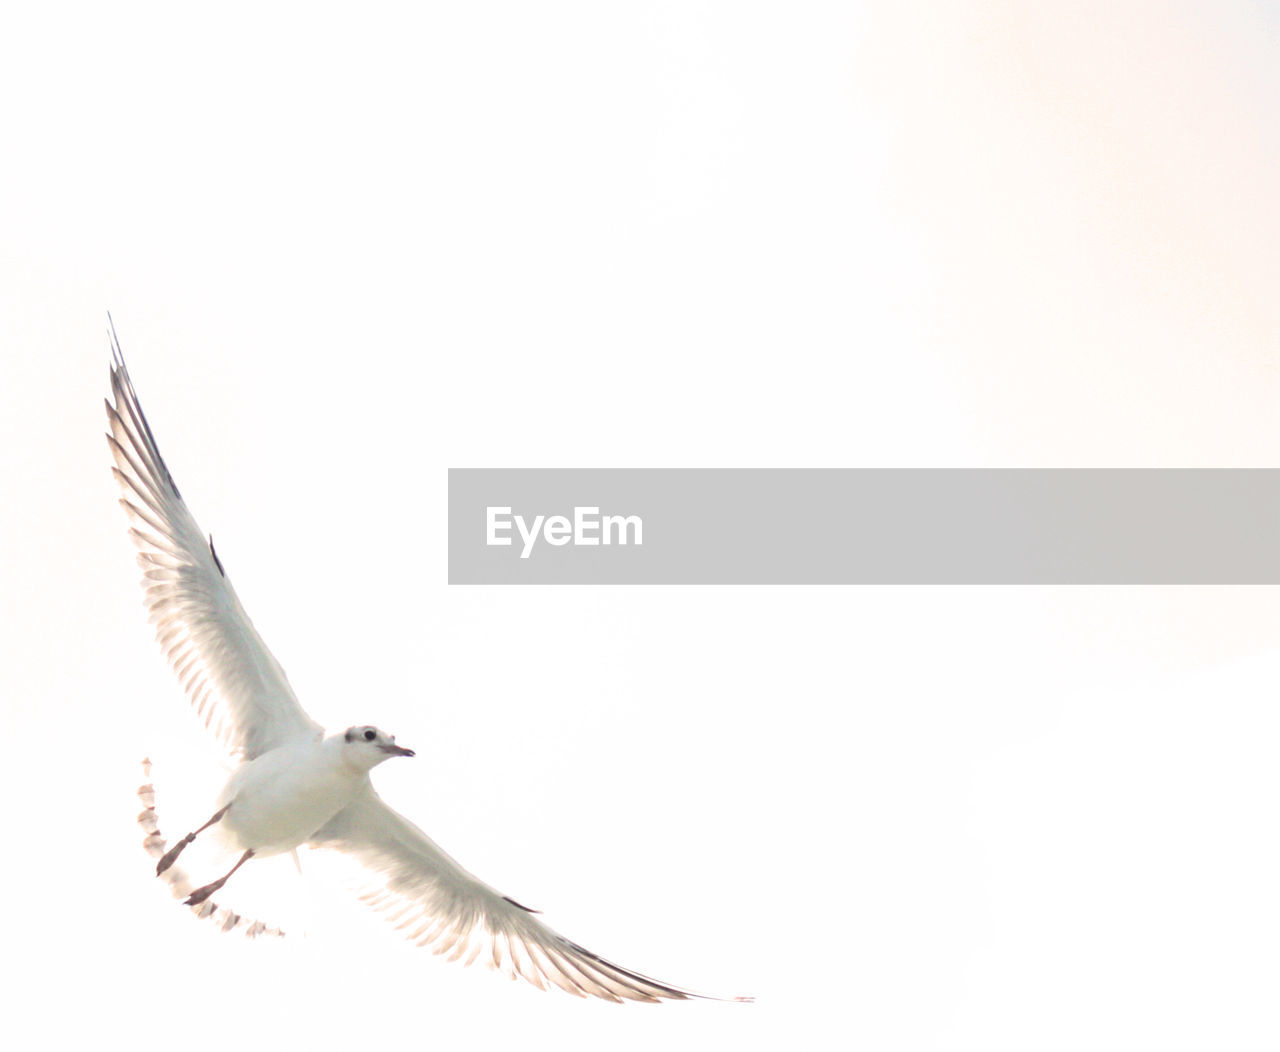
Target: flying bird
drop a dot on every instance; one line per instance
(293, 784)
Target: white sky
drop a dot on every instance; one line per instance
(347, 253)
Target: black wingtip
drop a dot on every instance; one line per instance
(116, 354)
(216, 561)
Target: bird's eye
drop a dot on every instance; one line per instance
(370, 735)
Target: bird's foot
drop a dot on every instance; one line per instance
(171, 856)
(200, 894)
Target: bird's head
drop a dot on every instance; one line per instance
(366, 747)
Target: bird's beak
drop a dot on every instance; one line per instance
(396, 750)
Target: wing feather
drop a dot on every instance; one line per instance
(436, 903)
(231, 678)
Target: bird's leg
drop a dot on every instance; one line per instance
(200, 894)
(171, 856)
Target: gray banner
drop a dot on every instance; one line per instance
(818, 526)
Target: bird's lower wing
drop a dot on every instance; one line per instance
(437, 903)
(230, 676)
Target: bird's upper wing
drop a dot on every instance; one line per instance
(221, 661)
(437, 903)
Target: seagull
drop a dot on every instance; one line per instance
(293, 785)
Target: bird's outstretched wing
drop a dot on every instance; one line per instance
(227, 671)
(437, 903)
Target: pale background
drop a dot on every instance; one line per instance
(346, 252)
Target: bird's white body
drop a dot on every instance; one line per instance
(279, 800)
